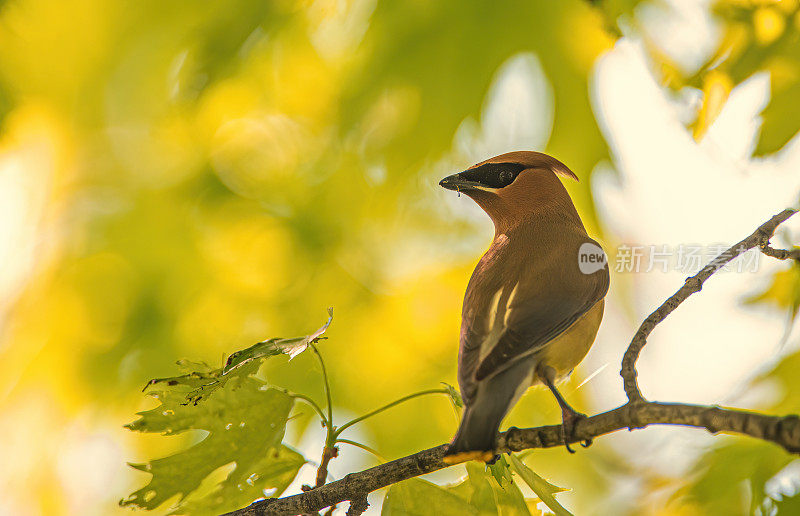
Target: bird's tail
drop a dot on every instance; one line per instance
(481, 418)
(476, 435)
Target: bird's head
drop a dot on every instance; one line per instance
(515, 186)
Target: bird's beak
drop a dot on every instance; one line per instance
(458, 182)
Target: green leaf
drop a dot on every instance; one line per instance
(272, 347)
(271, 475)
(489, 494)
(198, 385)
(481, 493)
(417, 497)
(455, 396)
(543, 489)
(190, 366)
(781, 120)
(730, 478)
(203, 380)
(784, 291)
(245, 421)
(782, 378)
(501, 471)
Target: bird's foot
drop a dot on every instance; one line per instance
(569, 418)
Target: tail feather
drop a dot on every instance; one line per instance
(480, 421)
(477, 431)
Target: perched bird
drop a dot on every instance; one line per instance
(534, 302)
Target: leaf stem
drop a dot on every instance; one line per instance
(363, 447)
(331, 437)
(385, 407)
(311, 402)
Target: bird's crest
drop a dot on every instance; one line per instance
(529, 159)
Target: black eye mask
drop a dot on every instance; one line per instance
(494, 175)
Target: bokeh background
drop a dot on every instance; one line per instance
(183, 179)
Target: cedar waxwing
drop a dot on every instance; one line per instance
(534, 302)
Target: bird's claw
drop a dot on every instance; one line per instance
(569, 419)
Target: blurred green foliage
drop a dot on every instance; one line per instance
(731, 478)
(757, 36)
(205, 175)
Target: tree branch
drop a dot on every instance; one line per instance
(784, 431)
(781, 254)
(760, 238)
(637, 413)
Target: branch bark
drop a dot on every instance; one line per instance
(784, 431)
(637, 413)
(781, 254)
(760, 237)
(330, 452)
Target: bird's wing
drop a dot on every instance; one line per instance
(539, 308)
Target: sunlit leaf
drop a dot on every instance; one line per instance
(716, 89)
(781, 118)
(272, 347)
(479, 493)
(190, 366)
(240, 364)
(501, 471)
(245, 420)
(543, 489)
(730, 478)
(783, 291)
(416, 497)
(757, 37)
(489, 495)
(783, 376)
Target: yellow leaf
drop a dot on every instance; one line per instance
(716, 88)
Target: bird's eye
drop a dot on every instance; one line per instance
(492, 175)
(506, 177)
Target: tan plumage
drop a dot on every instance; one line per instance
(530, 315)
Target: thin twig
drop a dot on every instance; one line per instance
(358, 505)
(694, 284)
(328, 453)
(781, 254)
